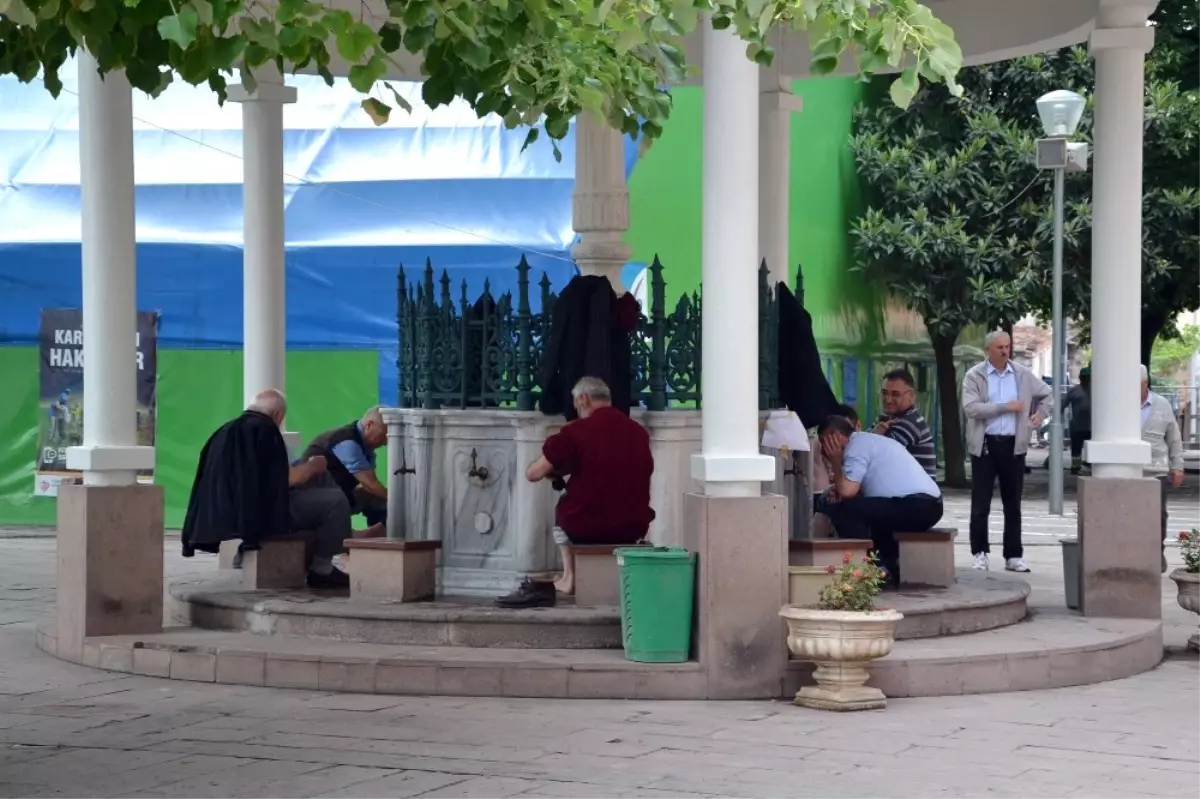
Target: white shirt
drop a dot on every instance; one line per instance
(1002, 389)
(1146, 403)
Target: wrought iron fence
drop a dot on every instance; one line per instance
(455, 353)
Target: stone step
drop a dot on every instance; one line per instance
(978, 601)
(1052, 649)
(1048, 651)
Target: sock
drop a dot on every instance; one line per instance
(321, 566)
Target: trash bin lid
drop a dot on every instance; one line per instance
(652, 553)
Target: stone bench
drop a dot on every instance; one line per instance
(391, 568)
(824, 552)
(928, 558)
(279, 563)
(597, 578)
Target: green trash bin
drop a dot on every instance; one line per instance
(657, 590)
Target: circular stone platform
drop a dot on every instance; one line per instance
(977, 602)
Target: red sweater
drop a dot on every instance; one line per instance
(607, 462)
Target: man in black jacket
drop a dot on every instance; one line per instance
(242, 491)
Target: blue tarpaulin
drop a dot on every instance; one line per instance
(360, 200)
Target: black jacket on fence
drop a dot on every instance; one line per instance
(241, 486)
(803, 388)
(589, 337)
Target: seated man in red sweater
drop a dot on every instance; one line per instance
(604, 458)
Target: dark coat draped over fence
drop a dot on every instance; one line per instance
(489, 351)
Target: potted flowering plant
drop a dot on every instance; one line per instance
(1187, 579)
(843, 633)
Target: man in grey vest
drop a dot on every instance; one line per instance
(1002, 401)
(349, 451)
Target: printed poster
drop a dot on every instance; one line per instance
(60, 405)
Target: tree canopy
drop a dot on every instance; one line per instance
(958, 223)
(533, 62)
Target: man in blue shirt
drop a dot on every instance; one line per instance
(350, 454)
(879, 489)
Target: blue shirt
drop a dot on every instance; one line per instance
(354, 457)
(1002, 389)
(884, 468)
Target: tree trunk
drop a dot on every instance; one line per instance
(1151, 327)
(953, 449)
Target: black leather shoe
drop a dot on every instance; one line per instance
(335, 579)
(529, 595)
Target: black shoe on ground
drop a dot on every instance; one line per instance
(335, 579)
(529, 595)
(891, 574)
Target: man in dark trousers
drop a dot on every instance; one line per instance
(1079, 400)
(880, 490)
(241, 491)
(605, 459)
(349, 451)
(1002, 401)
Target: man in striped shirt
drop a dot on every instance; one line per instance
(903, 422)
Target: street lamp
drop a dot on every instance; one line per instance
(1060, 112)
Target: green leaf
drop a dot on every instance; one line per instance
(354, 41)
(18, 12)
(904, 88)
(179, 28)
(399, 98)
(377, 110)
(391, 38)
(530, 138)
(204, 11)
(225, 51)
(364, 76)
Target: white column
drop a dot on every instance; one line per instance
(776, 106)
(1119, 46)
(109, 454)
(264, 303)
(729, 463)
(600, 203)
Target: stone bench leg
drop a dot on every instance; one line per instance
(927, 558)
(393, 569)
(597, 580)
(278, 564)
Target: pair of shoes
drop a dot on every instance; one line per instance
(529, 594)
(335, 579)
(1016, 565)
(981, 562)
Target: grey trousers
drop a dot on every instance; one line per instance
(325, 510)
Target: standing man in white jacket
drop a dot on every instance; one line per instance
(1003, 401)
(1160, 429)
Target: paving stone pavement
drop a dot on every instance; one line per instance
(67, 730)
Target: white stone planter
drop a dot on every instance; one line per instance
(1189, 597)
(841, 643)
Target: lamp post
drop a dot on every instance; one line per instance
(1060, 112)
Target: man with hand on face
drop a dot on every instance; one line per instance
(1003, 401)
(881, 490)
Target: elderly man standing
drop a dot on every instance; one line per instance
(1002, 401)
(1160, 430)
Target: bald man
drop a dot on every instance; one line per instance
(245, 488)
(349, 451)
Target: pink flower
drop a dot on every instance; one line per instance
(849, 556)
(830, 569)
(857, 573)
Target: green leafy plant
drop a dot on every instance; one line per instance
(854, 585)
(532, 62)
(1189, 547)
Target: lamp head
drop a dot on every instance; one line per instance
(1060, 112)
